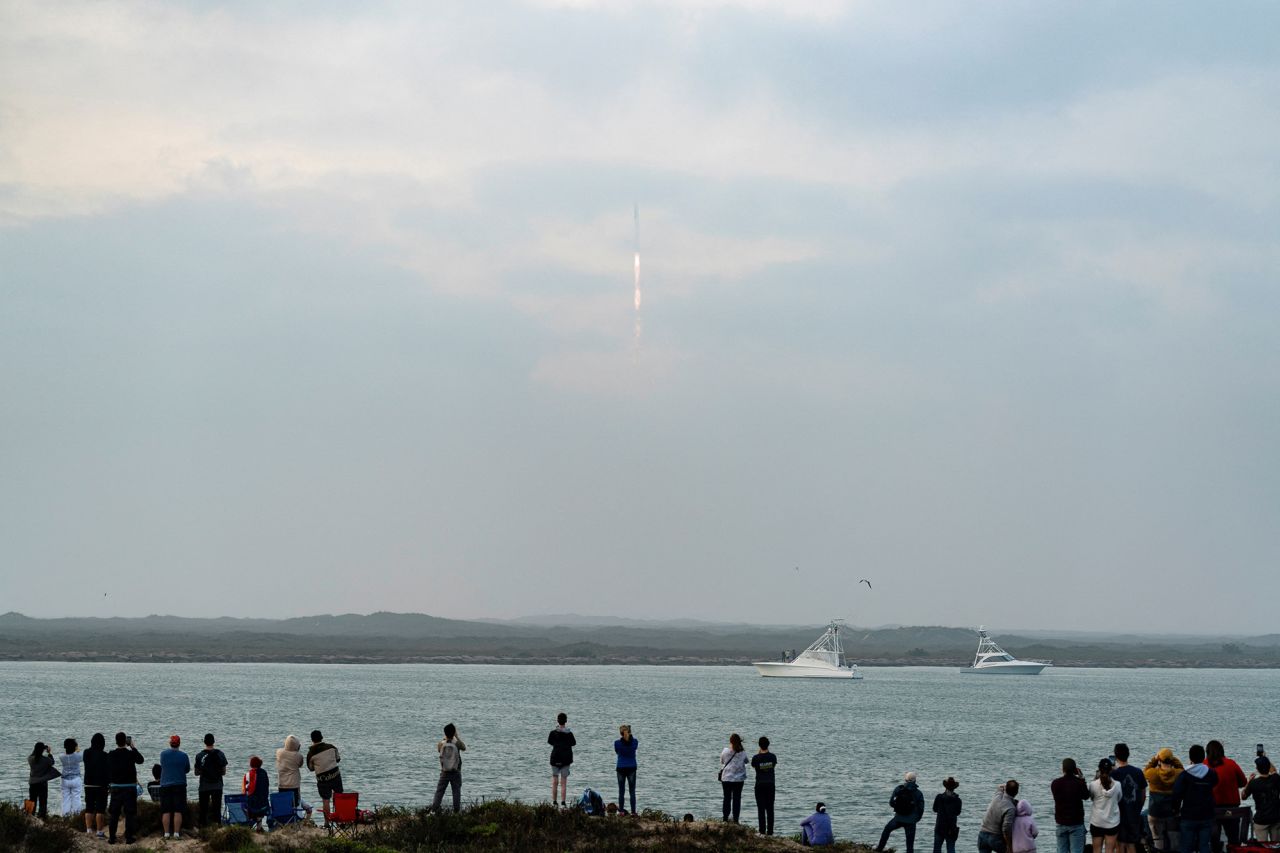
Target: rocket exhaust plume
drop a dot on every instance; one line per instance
(637, 298)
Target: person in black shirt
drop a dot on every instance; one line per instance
(764, 761)
(562, 743)
(947, 806)
(211, 766)
(97, 781)
(153, 787)
(123, 764)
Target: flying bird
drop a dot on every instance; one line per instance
(867, 582)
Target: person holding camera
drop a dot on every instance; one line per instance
(1264, 789)
(123, 764)
(42, 773)
(1069, 793)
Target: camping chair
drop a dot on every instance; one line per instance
(283, 811)
(235, 811)
(346, 817)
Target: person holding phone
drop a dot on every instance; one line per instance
(42, 773)
(123, 764)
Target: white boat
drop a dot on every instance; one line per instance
(993, 660)
(824, 659)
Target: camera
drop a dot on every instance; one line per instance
(1262, 750)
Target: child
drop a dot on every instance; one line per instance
(1024, 829)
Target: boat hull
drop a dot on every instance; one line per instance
(800, 670)
(1019, 668)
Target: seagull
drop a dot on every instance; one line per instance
(867, 582)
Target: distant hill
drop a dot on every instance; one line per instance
(417, 637)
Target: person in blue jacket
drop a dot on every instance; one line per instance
(815, 830)
(908, 807)
(257, 790)
(625, 746)
(1193, 798)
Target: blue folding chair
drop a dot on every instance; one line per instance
(235, 810)
(283, 811)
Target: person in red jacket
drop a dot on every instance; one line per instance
(1226, 794)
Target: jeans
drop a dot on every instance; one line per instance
(1164, 833)
(989, 842)
(1196, 835)
(908, 828)
(124, 799)
(39, 794)
(764, 808)
(1070, 838)
(732, 796)
(448, 779)
(210, 804)
(626, 777)
(939, 838)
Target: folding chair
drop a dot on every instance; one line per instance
(234, 810)
(346, 816)
(283, 812)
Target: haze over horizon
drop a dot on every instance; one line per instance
(311, 309)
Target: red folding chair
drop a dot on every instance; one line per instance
(347, 816)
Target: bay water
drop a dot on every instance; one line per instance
(845, 743)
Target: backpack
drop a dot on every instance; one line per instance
(902, 802)
(450, 757)
(591, 803)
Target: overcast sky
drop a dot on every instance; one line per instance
(324, 307)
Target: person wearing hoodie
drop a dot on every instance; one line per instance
(289, 769)
(1104, 817)
(256, 787)
(946, 826)
(40, 761)
(1193, 798)
(815, 830)
(996, 832)
(97, 782)
(1069, 793)
(322, 760)
(907, 803)
(1024, 829)
(1162, 813)
(1264, 788)
(211, 766)
(1226, 794)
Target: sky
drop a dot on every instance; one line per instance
(322, 307)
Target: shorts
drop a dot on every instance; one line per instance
(173, 798)
(329, 787)
(95, 799)
(1103, 831)
(1130, 828)
(560, 772)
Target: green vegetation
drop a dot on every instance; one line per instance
(20, 832)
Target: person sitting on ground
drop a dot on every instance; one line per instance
(1226, 794)
(1024, 829)
(257, 790)
(175, 766)
(72, 778)
(1161, 772)
(450, 752)
(907, 803)
(1193, 800)
(946, 827)
(562, 742)
(815, 830)
(1264, 789)
(996, 832)
(1069, 793)
(153, 787)
(322, 760)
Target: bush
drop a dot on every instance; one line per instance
(232, 839)
(18, 831)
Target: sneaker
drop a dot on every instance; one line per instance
(101, 834)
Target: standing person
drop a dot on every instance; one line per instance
(450, 751)
(764, 763)
(996, 832)
(1162, 813)
(907, 803)
(1193, 799)
(625, 748)
(97, 781)
(562, 742)
(289, 769)
(122, 765)
(1226, 794)
(1264, 788)
(1024, 829)
(1104, 819)
(174, 767)
(946, 826)
(72, 778)
(815, 830)
(1069, 793)
(40, 762)
(1133, 796)
(322, 760)
(733, 775)
(211, 766)
(256, 787)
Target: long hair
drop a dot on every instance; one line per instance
(625, 731)
(39, 750)
(736, 742)
(1214, 753)
(98, 741)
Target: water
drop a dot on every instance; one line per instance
(846, 743)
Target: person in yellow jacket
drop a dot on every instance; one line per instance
(1162, 815)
